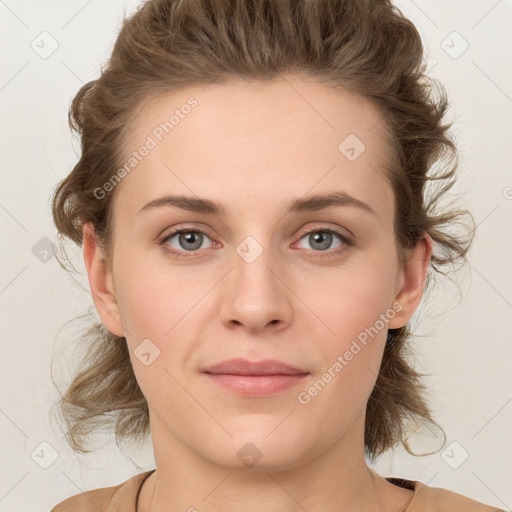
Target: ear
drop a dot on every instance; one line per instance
(413, 276)
(101, 282)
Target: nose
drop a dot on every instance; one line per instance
(256, 293)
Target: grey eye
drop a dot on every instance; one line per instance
(191, 240)
(321, 240)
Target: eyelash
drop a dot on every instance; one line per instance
(341, 236)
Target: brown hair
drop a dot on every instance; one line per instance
(366, 47)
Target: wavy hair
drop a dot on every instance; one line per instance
(367, 47)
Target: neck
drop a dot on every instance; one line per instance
(335, 480)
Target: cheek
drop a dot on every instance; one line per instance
(351, 354)
(158, 305)
(152, 297)
(355, 305)
(351, 298)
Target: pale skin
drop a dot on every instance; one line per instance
(255, 148)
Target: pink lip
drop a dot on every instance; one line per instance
(240, 366)
(256, 379)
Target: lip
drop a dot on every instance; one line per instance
(241, 366)
(255, 379)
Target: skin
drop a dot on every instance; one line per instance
(255, 147)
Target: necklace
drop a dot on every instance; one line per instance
(152, 495)
(409, 504)
(156, 478)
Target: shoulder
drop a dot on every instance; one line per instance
(119, 497)
(89, 501)
(430, 499)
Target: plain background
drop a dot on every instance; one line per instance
(464, 341)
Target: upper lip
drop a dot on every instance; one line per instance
(241, 366)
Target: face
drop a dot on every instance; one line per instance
(271, 274)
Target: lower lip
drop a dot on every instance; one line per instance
(256, 385)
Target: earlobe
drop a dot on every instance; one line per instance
(101, 282)
(414, 275)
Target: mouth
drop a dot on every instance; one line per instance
(240, 366)
(255, 379)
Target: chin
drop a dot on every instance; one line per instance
(264, 445)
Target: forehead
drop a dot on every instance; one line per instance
(288, 105)
(291, 135)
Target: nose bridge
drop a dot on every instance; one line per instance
(251, 274)
(255, 296)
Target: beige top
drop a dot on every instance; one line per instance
(123, 498)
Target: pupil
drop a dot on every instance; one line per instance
(189, 237)
(320, 236)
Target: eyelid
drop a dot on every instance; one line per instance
(343, 232)
(346, 239)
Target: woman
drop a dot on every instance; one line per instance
(290, 144)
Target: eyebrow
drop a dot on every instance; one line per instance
(301, 205)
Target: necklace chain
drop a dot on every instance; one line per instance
(156, 478)
(154, 487)
(152, 495)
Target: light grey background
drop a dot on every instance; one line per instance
(464, 343)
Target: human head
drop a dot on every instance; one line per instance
(364, 48)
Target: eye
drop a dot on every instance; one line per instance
(187, 240)
(321, 239)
